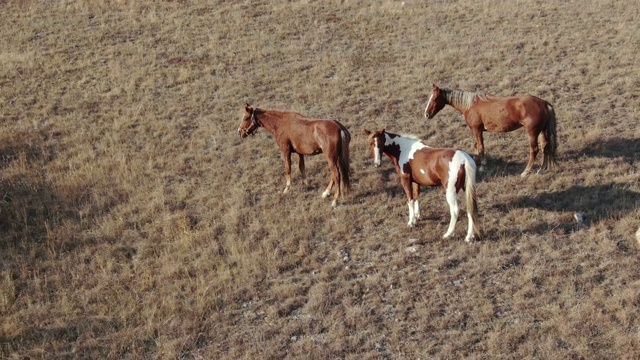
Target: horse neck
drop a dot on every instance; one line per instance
(269, 120)
(386, 147)
(459, 99)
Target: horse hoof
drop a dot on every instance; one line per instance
(325, 194)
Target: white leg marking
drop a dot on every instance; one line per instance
(416, 209)
(454, 166)
(412, 220)
(453, 209)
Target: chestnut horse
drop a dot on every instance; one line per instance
(418, 164)
(484, 112)
(296, 134)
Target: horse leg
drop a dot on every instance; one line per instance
(416, 193)
(542, 139)
(327, 191)
(470, 235)
(533, 151)
(405, 180)
(332, 177)
(452, 199)
(301, 166)
(335, 179)
(286, 154)
(478, 143)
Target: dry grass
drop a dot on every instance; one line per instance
(134, 223)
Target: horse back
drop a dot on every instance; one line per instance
(312, 136)
(504, 114)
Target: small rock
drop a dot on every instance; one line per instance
(412, 249)
(345, 254)
(581, 219)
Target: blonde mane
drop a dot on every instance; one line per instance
(461, 98)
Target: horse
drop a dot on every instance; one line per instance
(418, 164)
(295, 133)
(484, 112)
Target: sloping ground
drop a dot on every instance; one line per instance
(134, 223)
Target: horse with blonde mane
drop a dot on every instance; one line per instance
(484, 112)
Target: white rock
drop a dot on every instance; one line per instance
(412, 249)
(581, 218)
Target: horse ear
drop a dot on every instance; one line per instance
(248, 107)
(434, 86)
(382, 131)
(367, 132)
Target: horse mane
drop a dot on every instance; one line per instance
(462, 98)
(407, 136)
(411, 137)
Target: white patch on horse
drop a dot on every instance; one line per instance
(422, 171)
(428, 103)
(457, 161)
(376, 156)
(408, 148)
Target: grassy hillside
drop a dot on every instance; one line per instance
(135, 223)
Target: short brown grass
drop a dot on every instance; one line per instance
(134, 223)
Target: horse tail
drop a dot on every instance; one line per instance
(470, 170)
(551, 149)
(343, 159)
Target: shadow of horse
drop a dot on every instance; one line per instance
(628, 149)
(25, 196)
(496, 167)
(30, 207)
(596, 202)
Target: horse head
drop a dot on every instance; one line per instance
(249, 123)
(436, 102)
(376, 144)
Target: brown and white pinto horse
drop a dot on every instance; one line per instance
(418, 164)
(296, 134)
(484, 112)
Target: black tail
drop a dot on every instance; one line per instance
(345, 139)
(551, 149)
